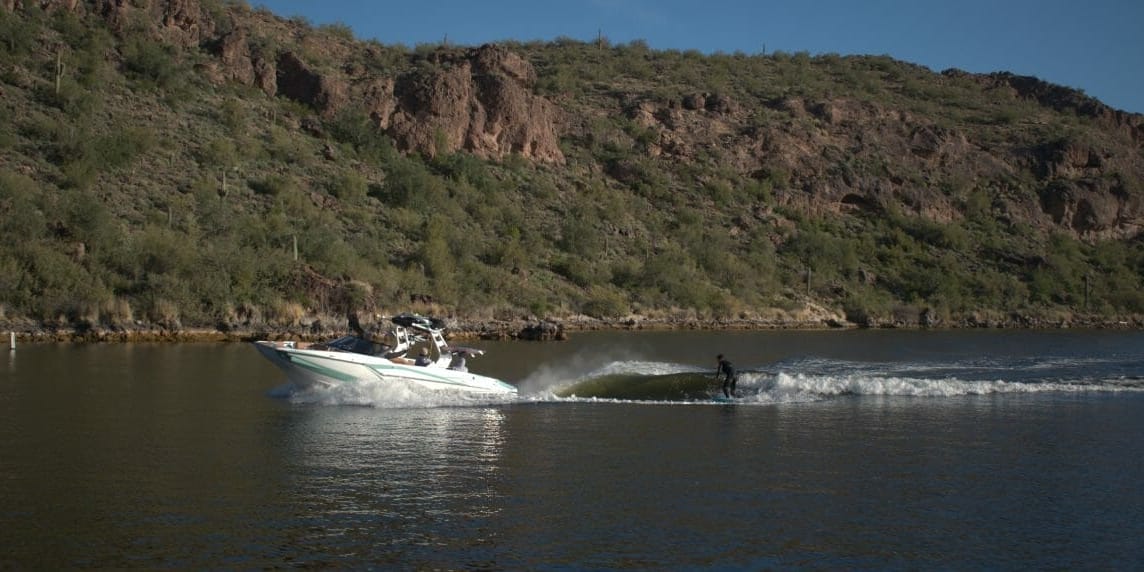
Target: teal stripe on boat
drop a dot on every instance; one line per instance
(428, 372)
(331, 373)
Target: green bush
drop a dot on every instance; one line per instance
(350, 188)
(65, 289)
(219, 154)
(577, 270)
(274, 185)
(120, 148)
(21, 219)
(235, 117)
(604, 303)
(73, 99)
(17, 36)
(151, 63)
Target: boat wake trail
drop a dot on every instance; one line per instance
(811, 380)
(802, 380)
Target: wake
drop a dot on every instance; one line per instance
(813, 380)
(805, 380)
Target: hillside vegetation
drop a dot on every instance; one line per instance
(187, 164)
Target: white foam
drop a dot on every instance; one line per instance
(384, 395)
(796, 386)
(550, 377)
(640, 368)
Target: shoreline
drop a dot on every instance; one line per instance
(531, 329)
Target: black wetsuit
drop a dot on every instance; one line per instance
(727, 369)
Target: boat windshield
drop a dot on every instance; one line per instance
(358, 345)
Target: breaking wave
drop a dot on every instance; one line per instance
(811, 380)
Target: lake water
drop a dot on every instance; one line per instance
(847, 450)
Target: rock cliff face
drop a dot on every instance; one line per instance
(479, 100)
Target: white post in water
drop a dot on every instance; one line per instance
(11, 341)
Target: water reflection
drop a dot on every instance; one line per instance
(399, 482)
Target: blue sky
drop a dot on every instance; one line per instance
(1095, 45)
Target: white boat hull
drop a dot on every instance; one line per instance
(321, 368)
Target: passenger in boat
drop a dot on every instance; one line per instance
(727, 369)
(423, 358)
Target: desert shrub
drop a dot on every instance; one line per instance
(161, 310)
(605, 302)
(827, 255)
(626, 273)
(91, 67)
(71, 28)
(161, 251)
(578, 234)
(409, 183)
(435, 254)
(557, 80)
(867, 306)
(219, 153)
(575, 270)
(235, 117)
(8, 138)
(82, 154)
(73, 99)
(116, 311)
(119, 148)
(352, 125)
(21, 219)
(463, 167)
(17, 37)
(720, 193)
(283, 146)
(150, 62)
(274, 185)
(677, 276)
(350, 188)
(15, 286)
(65, 288)
(87, 219)
(337, 31)
(948, 236)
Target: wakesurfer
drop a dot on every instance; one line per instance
(726, 369)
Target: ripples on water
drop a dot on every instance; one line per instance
(397, 484)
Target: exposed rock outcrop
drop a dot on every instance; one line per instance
(479, 100)
(299, 82)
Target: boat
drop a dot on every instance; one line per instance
(438, 368)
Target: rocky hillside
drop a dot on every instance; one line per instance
(197, 163)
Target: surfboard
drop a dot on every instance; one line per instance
(721, 399)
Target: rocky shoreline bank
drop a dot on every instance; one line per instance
(533, 329)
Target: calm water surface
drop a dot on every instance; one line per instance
(849, 450)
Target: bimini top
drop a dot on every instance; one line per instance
(419, 322)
